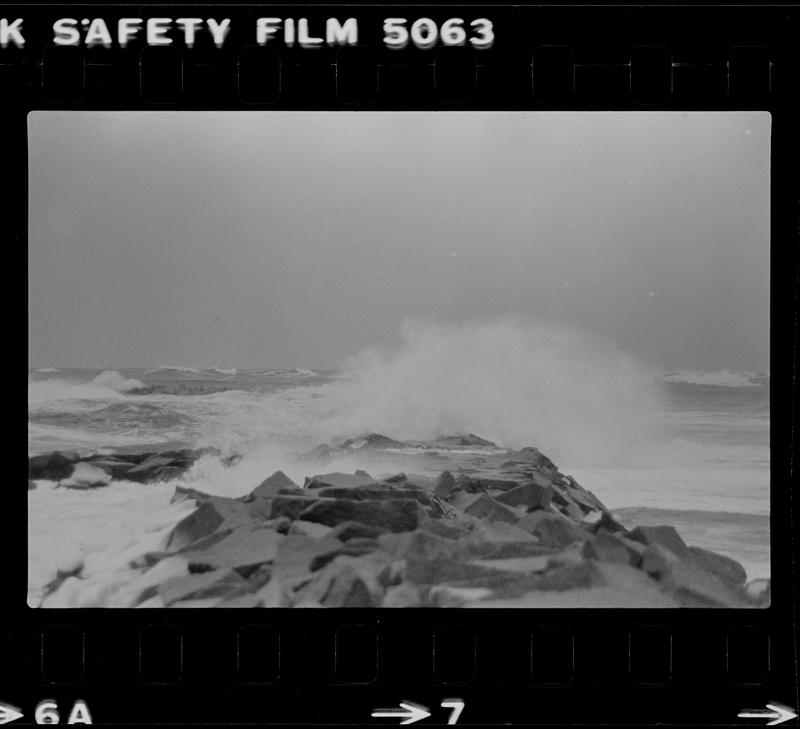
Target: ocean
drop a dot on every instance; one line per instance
(687, 448)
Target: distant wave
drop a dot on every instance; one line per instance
(108, 384)
(721, 378)
(45, 370)
(172, 368)
(224, 370)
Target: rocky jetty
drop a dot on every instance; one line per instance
(73, 471)
(494, 528)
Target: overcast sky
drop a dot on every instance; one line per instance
(278, 239)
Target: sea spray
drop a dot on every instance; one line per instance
(569, 393)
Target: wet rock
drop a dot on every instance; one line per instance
(526, 565)
(339, 480)
(571, 577)
(347, 530)
(243, 550)
(484, 506)
(290, 507)
(606, 547)
(552, 528)
(85, 476)
(277, 483)
(215, 514)
(292, 564)
(373, 440)
(608, 523)
(464, 440)
(694, 587)
(664, 536)
(758, 591)
(444, 485)
(443, 571)
(448, 528)
(386, 492)
(309, 529)
(352, 548)
(529, 495)
(280, 524)
(397, 478)
(52, 466)
(400, 515)
(218, 583)
(345, 582)
(726, 569)
(183, 493)
(421, 545)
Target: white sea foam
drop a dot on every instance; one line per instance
(569, 393)
(721, 378)
(47, 370)
(107, 385)
(225, 370)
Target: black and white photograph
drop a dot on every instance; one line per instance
(399, 359)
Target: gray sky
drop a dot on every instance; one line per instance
(295, 239)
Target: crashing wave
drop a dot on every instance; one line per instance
(721, 378)
(108, 384)
(225, 370)
(171, 368)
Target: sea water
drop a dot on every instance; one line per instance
(690, 449)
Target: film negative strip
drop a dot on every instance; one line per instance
(473, 325)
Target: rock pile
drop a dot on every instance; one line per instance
(74, 471)
(497, 528)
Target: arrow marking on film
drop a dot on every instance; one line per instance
(776, 712)
(409, 712)
(9, 713)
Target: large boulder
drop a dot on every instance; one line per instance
(219, 583)
(243, 550)
(277, 483)
(214, 515)
(607, 547)
(339, 480)
(53, 466)
(726, 569)
(396, 515)
(551, 528)
(663, 536)
(484, 506)
(530, 495)
(289, 506)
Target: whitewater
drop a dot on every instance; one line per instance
(686, 448)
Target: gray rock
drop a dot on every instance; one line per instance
(444, 485)
(529, 495)
(277, 483)
(484, 506)
(243, 550)
(52, 466)
(339, 480)
(215, 514)
(664, 536)
(606, 547)
(290, 507)
(726, 569)
(218, 583)
(399, 515)
(347, 530)
(552, 529)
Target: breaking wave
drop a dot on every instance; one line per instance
(721, 378)
(574, 396)
(108, 384)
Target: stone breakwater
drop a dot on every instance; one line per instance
(483, 526)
